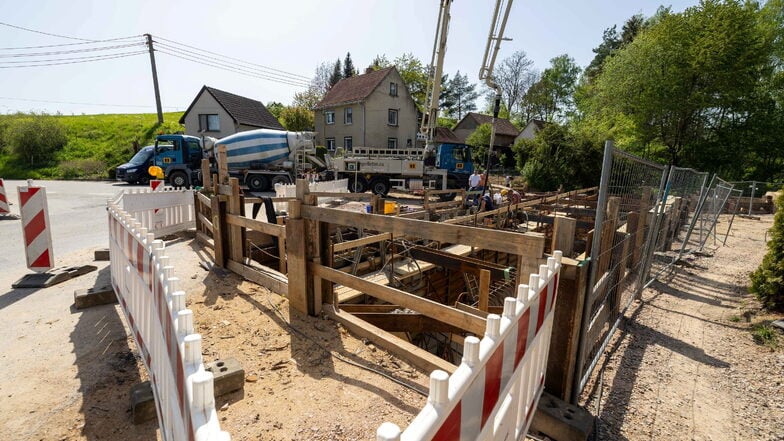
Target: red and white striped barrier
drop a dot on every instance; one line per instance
(35, 228)
(162, 211)
(4, 208)
(493, 393)
(163, 330)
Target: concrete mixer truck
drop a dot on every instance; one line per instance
(259, 158)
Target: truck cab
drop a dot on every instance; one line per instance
(180, 158)
(456, 160)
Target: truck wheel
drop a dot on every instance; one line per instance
(357, 185)
(279, 179)
(379, 186)
(178, 179)
(256, 182)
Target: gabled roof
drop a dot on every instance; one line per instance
(446, 136)
(503, 126)
(538, 123)
(242, 110)
(353, 89)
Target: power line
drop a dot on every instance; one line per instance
(67, 44)
(235, 59)
(97, 58)
(196, 55)
(82, 104)
(43, 33)
(68, 58)
(72, 51)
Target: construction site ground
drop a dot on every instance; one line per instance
(684, 366)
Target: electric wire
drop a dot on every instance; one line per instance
(193, 54)
(43, 33)
(72, 51)
(234, 59)
(88, 57)
(342, 358)
(67, 44)
(82, 104)
(98, 58)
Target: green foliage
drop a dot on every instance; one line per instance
(414, 74)
(337, 74)
(479, 139)
(380, 62)
(558, 158)
(297, 118)
(767, 281)
(551, 98)
(447, 122)
(764, 334)
(348, 67)
(91, 140)
(458, 96)
(35, 138)
(275, 108)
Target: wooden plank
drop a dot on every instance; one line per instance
(234, 206)
(396, 322)
(205, 222)
(256, 225)
(347, 294)
(394, 345)
(351, 196)
(205, 240)
(263, 276)
(223, 166)
(515, 243)
(219, 232)
(368, 308)
(205, 174)
(457, 262)
(484, 289)
(642, 223)
(342, 246)
(203, 199)
(297, 264)
(430, 308)
(563, 234)
(471, 310)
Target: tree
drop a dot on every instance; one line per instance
(552, 97)
(479, 139)
(337, 74)
(415, 75)
(297, 118)
(348, 67)
(275, 108)
(380, 62)
(321, 79)
(767, 281)
(514, 78)
(35, 137)
(460, 96)
(308, 98)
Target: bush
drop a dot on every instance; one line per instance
(35, 137)
(767, 282)
(82, 169)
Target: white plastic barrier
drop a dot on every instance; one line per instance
(494, 391)
(4, 208)
(290, 191)
(162, 327)
(163, 211)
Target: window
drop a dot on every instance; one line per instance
(329, 117)
(393, 89)
(209, 123)
(348, 115)
(330, 144)
(347, 143)
(391, 143)
(392, 117)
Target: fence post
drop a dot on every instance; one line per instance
(651, 240)
(236, 245)
(751, 196)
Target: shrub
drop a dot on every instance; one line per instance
(35, 137)
(82, 168)
(767, 281)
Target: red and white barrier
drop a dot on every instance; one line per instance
(35, 228)
(162, 211)
(4, 208)
(162, 327)
(493, 393)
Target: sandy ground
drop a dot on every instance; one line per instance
(684, 367)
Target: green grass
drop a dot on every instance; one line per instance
(764, 334)
(96, 145)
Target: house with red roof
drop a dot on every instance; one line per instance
(374, 109)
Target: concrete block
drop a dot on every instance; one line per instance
(229, 375)
(142, 403)
(86, 298)
(561, 421)
(102, 254)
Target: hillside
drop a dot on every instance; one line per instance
(96, 144)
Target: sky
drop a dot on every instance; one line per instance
(283, 40)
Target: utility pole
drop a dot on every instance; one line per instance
(155, 79)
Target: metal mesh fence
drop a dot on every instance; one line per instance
(753, 193)
(711, 206)
(625, 218)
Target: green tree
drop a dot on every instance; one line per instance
(767, 281)
(275, 108)
(415, 75)
(348, 67)
(461, 96)
(308, 98)
(479, 139)
(337, 74)
(552, 97)
(380, 62)
(297, 118)
(35, 137)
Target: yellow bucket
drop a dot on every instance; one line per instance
(389, 207)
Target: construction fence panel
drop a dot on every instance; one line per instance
(753, 194)
(704, 223)
(493, 393)
(161, 212)
(155, 311)
(626, 215)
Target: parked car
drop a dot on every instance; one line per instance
(135, 170)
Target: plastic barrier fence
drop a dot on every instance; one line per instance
(36, 227)
(4, 208)
(290, 191)
(163, 211)
(162, 328)
(493, 393)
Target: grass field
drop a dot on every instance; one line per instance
(96, 145)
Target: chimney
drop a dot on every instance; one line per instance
(369, 69)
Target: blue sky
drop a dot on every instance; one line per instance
(292, 36)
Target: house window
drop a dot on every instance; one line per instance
(392, 117)
(330, 144)
(329, 117)
(391, 143)
(347, 143)
(209, 123)
(393, 89)
(348, 115)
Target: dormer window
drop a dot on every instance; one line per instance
(393, 89)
